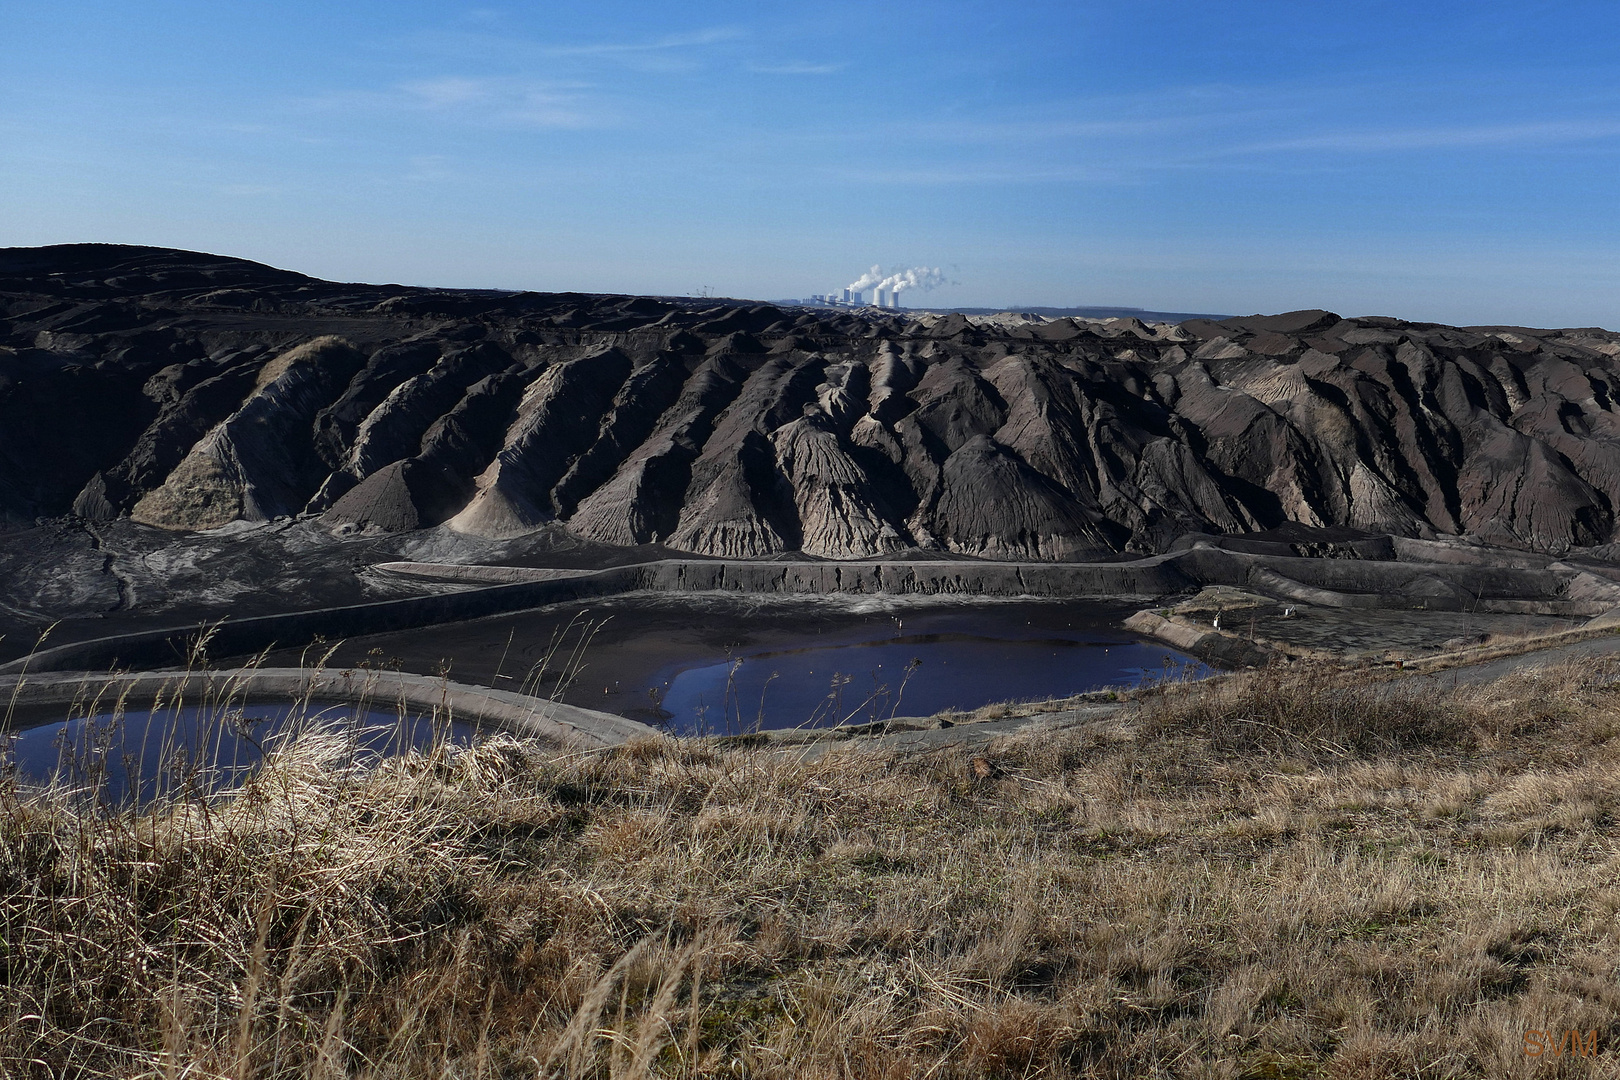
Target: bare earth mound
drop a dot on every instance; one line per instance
(191, 391)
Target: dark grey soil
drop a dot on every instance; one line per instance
(191, 391)
(1370, 634)
(78, 580)
(188, 437)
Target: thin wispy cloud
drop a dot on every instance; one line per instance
(1020, 131)
(430, 169)
(1128, 138)
(448, 92)
(249, 191)
(994, 174)
(710, 36)
(1535, 133)
(796, 67)
(1192, 109)
(666, 54)
(572, 97)
(483, 102)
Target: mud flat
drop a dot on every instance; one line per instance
(1260, 628)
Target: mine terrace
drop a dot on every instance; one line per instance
(189, 439)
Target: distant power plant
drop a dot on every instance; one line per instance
(886, 288)
(883, 298)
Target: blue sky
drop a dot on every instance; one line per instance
(1455, 162)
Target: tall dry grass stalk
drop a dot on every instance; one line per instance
(1290, 874)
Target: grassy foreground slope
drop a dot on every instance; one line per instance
(1285, 874)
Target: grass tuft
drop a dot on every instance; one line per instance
(1292, 873)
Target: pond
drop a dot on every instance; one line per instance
(906, 675)
(144, 753)
(697, 664)
(707, 661)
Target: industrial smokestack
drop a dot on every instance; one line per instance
(891, 285)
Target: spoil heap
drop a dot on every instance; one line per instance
(190, 391)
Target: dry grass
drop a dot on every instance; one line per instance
(1288, 874)
(1501, 646)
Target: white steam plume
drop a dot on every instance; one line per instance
(918, 277)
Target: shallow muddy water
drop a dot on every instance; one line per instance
(145, 753)
(908, 675)
(706, 661)
(693, 664)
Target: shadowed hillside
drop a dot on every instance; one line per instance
(191, 390)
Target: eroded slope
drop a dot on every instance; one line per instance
(190, 391)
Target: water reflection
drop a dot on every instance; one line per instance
(142, 754)
(915, 675)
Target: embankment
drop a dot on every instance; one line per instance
(530, 717)
(1545, 588)
(517, 589)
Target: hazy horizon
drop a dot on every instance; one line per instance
(1452, 164)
